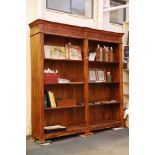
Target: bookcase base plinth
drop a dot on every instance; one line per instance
(106, 125)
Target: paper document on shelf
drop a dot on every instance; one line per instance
(60, 80)
(54, 127)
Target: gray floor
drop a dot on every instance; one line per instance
(105, 142)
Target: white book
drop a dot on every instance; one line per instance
(47, 51)
(92, 56)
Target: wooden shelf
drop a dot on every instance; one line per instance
(65, 107)
(79, 106)
(107, 124)
(73, 129)
(70, 83)
(102, 62)
(62, 60)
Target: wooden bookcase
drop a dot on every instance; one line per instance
(81, 118)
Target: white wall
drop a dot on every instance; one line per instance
(36, 9)
(31, 10)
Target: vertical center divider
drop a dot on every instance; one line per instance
(86, 86)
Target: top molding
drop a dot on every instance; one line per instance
(48, 27)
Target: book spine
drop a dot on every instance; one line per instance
(98, 53)
(67, 51)
(101, 54)
(106, 54)
(45, 100)
(53, 100)
(111, 55)
(53, 104)
(69, 48)
(48, 99)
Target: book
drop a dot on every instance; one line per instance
(101, 54)
(60, 80)
(97, 102)
(106, 54)
(91, 103)
(98, 53)
(52, 100)
(47, 51)
(67, 51)
(45, 101)
(111, 55)
(58, 52)
(47, 98)
(75, 52)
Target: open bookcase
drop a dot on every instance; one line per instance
(83, 117)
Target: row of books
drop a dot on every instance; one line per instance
(104, 102)
(102, 54)
(72, 52)
(49, 100)
(101, 102)
(68, 51)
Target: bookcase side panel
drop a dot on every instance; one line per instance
(86, 86)
(121, 82)
(37, 86)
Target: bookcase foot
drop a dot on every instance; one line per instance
(42, 140)
(86, 134)
(122, 125)
(32, 139)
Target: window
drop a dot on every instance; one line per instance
(117, 16)
(77, 7)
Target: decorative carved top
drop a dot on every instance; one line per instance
(47, 27)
